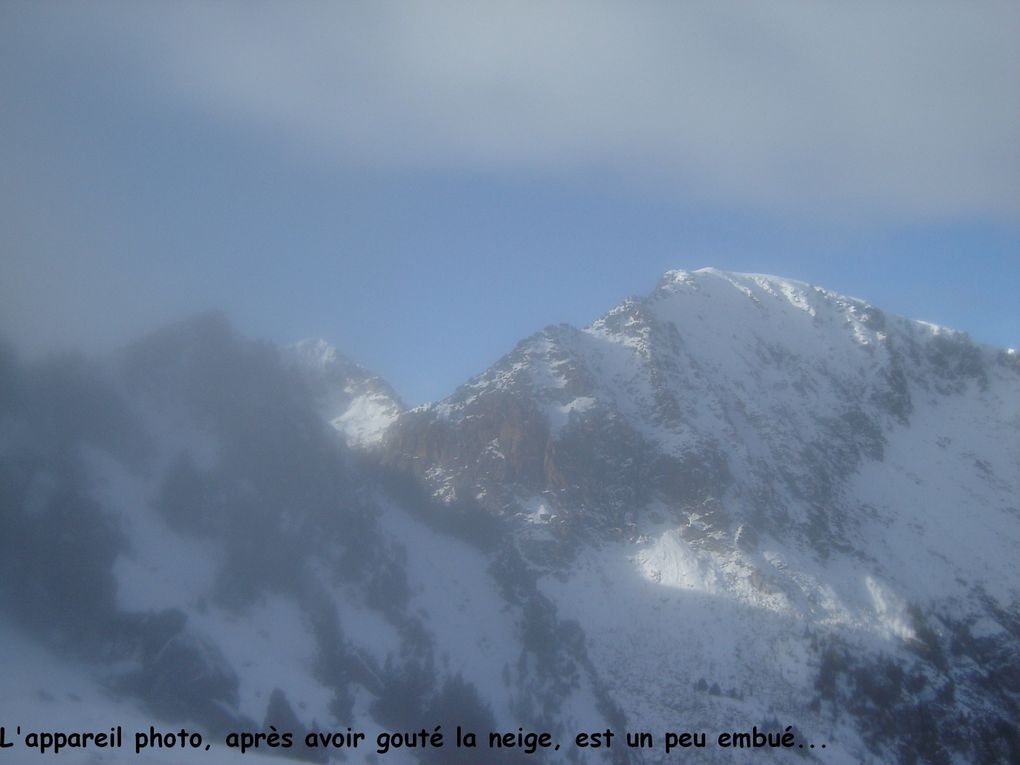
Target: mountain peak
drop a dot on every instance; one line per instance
(714, 380)
(316, 352)
(358, 403)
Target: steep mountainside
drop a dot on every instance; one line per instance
(777, 491)
(738, 501)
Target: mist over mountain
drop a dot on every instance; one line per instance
(739, 500)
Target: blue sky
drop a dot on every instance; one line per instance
(425, 184)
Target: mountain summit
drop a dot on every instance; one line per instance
(356, 402)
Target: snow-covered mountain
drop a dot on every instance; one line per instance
(816, 500)
(740, 500)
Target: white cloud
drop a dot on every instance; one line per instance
(900, 109)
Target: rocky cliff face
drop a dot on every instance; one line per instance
(739, 500)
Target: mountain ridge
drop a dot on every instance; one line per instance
(737, 500)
